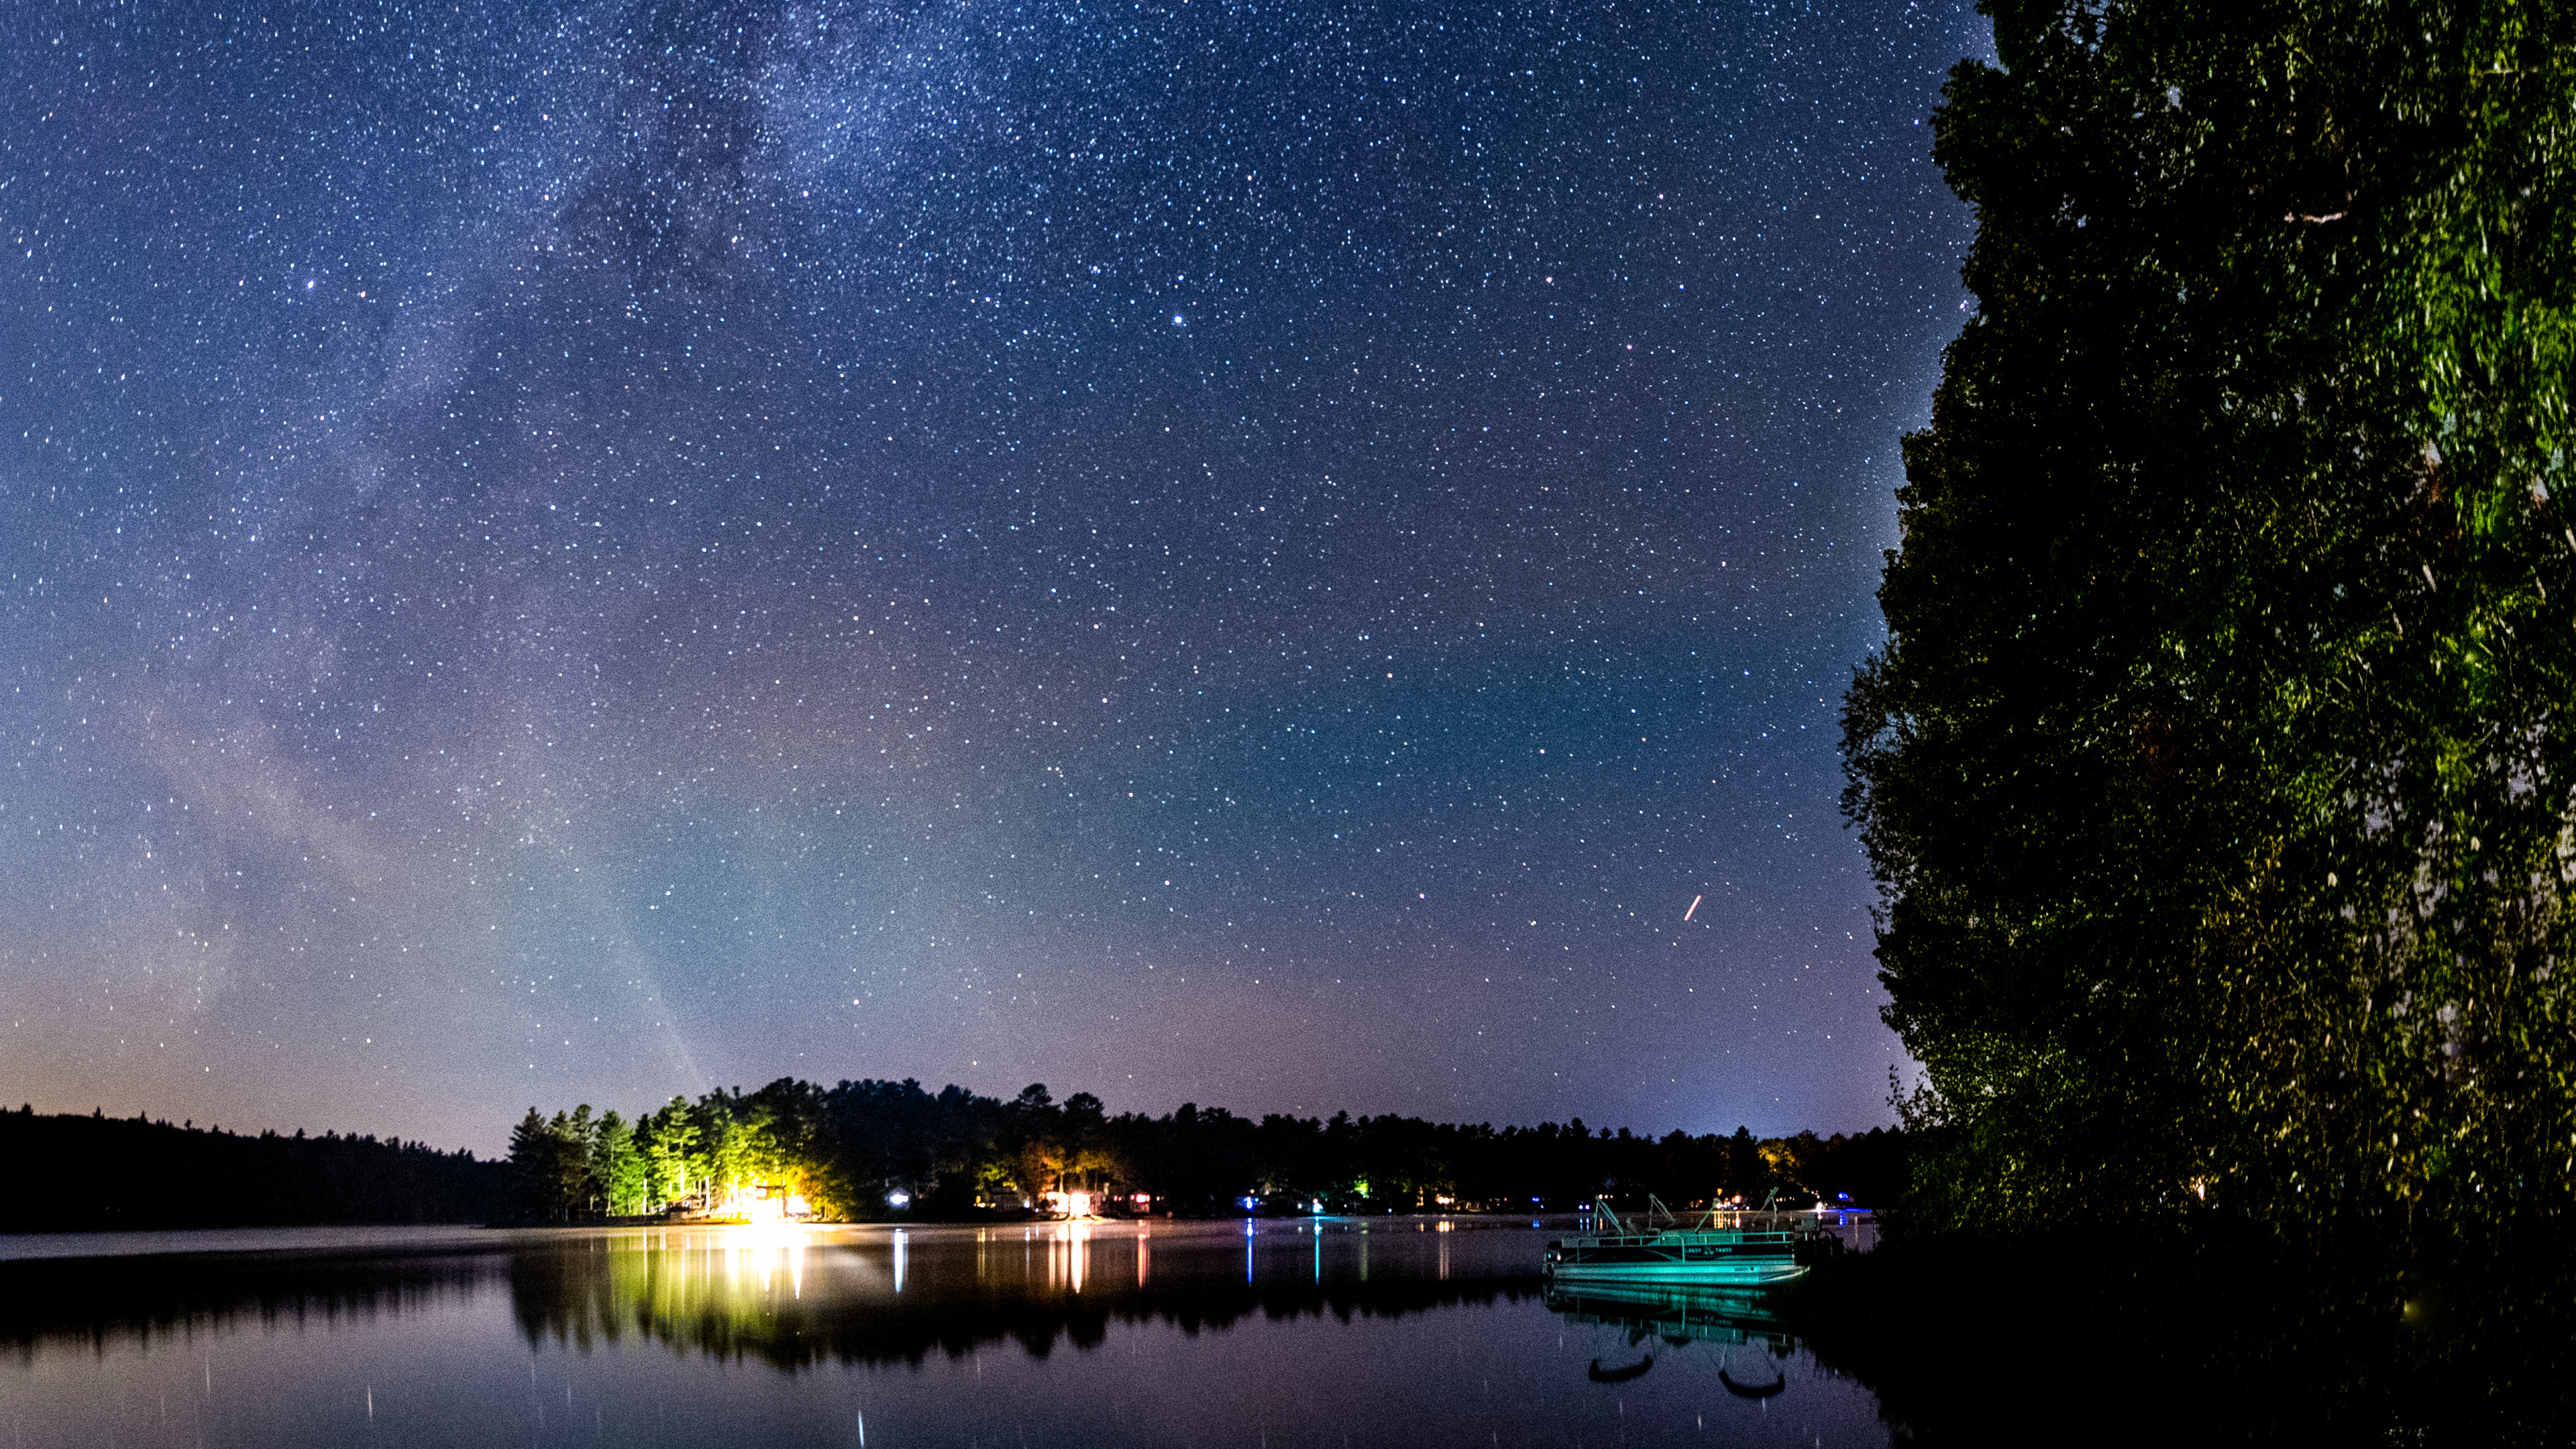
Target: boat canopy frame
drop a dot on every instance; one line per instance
(1717, 1219)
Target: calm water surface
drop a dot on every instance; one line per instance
(1274, 1333)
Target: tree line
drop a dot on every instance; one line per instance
(863, 1150)
(83, 1174)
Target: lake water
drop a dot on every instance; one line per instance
(1271, 1333)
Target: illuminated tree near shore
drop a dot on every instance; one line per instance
(618, 1166)
(672, 1164)
(2218, 765)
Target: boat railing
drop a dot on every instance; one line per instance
(1754, 1220)
(1857, 1228)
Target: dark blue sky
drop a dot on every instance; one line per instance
(1262, 554)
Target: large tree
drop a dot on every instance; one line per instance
(2217, 768)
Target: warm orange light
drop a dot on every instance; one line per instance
(765, 1204)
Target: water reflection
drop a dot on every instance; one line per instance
(1309, 1332)
(1675, 1315)
(142, 1299)
(1662, 1320)
(1313, 1332)
(792, 1297)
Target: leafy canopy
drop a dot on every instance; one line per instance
(2217, 768)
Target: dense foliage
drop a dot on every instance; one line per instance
(89, 1173)
(2217, 767)
(869, 1149)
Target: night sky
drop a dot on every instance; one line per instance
(1257, 554)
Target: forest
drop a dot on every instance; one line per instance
(865, 1150)
(104, 1173)
(876, 1150)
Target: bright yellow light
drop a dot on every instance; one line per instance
(762, 1204)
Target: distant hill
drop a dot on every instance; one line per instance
(96, 1173)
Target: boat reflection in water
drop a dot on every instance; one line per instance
(1677, 1317)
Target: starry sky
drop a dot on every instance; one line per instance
(1264, 554)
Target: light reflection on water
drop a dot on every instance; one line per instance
(1332, 1332)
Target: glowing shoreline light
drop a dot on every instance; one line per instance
(761, 1204)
